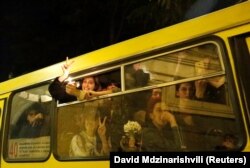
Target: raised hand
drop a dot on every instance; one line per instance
(102, 127)
(36, 120)
(200, 88)
(202, 66)
(66, 69)
(169, 118)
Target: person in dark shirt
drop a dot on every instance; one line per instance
(161, 133)
(209, 89)
(30, 123)
(135, 76)
(229, 142)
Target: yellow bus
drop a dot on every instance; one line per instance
(206, 57)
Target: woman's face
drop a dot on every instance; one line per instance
(91, 126)
(157, 115)
(185, 91)
(88, 83)
(156, 94)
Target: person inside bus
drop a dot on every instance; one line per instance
(192, 127)
(156, 94)
(86, 143)
(68, 91)
(135, 76)
(161, 132)
(30, 123)
(209, 89)
(140, 115)
(229, 142)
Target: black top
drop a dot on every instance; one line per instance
(58, 91)
(155, 140)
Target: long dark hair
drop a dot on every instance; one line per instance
(36, 107)
(96, 80)
(150, 107)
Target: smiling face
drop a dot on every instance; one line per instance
(88, 83)
(91, 126)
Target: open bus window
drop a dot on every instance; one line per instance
(29, 130)
(86, 87)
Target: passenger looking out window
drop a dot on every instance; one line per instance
(161, 133)
(191, 126)
(135, 76)
(86, 142)
(65, 91)
(210, 89)
(30, 123)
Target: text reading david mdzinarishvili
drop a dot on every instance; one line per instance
(162, 159)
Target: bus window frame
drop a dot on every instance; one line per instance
(7, 127)
(222, 72)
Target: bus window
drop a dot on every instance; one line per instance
(29, 125)
(109, 80)
(195, 61)
(87, 87)
(94, 128)
(203, 125)
(86, 134)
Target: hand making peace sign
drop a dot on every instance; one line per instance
(102, 127)
(66, 69)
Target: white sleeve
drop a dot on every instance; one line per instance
(76, 147)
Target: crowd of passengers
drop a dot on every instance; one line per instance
(162, 129)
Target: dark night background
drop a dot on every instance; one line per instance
(38, 33)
